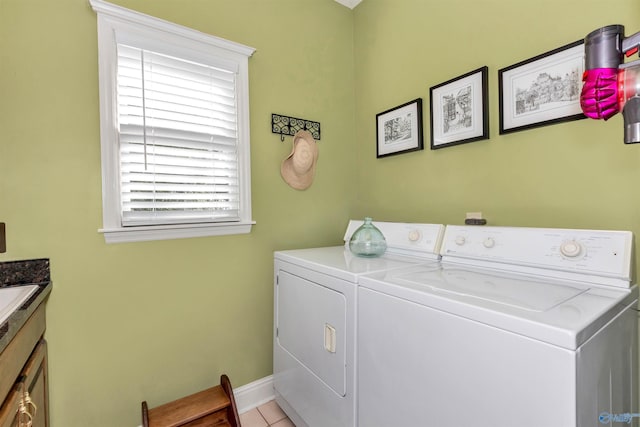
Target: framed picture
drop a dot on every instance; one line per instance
(399, 130)
(459, 110)
(543, 90)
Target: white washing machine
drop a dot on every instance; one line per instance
(315, 320)
(517, 327)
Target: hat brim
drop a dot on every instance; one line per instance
(295, 179)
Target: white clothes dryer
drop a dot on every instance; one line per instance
(516, 327)
(315, 302)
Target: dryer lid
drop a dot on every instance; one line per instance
(339, 262)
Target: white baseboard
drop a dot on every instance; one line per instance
(254, 394)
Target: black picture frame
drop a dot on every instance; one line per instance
(460, 109)
(399, 129)
(543, 90)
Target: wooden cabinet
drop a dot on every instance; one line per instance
(33, 382)
(26, 404)
(10, 415)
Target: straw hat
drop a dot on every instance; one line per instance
(298, 168)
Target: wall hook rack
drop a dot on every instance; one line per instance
(285, 125)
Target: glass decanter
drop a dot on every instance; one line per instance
(367, 241)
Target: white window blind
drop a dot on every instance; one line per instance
(178, 136)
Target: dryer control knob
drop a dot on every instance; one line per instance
(571, 248)
(414, 235)
(489, 242)
(460, 240)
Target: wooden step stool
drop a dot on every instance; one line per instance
(213, 407)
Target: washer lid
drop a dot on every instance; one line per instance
(526, 294)
(561, 313)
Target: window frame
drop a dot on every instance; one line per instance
(117, 24)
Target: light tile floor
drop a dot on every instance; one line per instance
(267, 415)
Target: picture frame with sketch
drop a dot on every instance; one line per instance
(543, 90)
(459, 110)
(399, 129)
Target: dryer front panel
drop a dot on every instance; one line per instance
(311, 326)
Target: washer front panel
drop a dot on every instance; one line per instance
(423, 367)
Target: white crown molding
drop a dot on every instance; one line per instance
(349, 3)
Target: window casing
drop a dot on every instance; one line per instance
(174, 124)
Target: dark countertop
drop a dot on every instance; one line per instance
(22, 273)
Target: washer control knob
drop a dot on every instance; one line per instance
(414, 235)
(460, 240)
(571, 248)
(489, 242)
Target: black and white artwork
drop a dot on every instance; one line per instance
(542, 90)
(399, 130)
(546, 90)
(459, 112)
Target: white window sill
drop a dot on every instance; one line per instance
(166, 232)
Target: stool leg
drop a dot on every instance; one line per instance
(145, 414)
(232, 410)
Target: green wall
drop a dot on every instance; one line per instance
(575, 175)
(159, 320)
